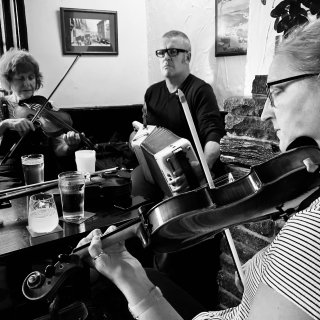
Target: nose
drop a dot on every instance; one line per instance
(26, 82)
(267, 112)
(166, 55)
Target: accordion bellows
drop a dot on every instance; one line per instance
(160, 152)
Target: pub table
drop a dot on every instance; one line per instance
(20, 253)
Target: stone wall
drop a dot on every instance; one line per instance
(248, 142)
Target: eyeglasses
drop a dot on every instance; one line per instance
(300, 76)
(172, 52)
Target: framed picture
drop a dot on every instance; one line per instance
(89, 31)
(231, 27)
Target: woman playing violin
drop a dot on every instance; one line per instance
(20, 76)
(283, 280)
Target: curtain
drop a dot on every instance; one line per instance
(13, 27)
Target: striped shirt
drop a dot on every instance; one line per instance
(290, 265)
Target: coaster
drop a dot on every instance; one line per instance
(87, 215)
(36, 234)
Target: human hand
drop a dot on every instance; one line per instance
(72, 139)
(114, 262)
(21, 125)
(179, 183)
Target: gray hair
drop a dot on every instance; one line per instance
(303, 45)
(16, 61)
(178, 34)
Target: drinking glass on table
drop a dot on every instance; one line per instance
(71, 186)
(33, 168)
(43, 215)
(86, 160)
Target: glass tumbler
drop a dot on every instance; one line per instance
(43, 215)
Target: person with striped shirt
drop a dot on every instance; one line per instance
(282, 281)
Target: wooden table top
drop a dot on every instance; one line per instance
(15, 238)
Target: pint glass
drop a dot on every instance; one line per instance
(71, 186)
(33, 166)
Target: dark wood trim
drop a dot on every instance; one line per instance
(7, 24)
(94, 108)
(22, 33)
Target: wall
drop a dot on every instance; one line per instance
(122, 79)
(197, 19)
(261, 41)
(94, 80)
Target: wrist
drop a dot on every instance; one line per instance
(134, 285)
(152, 298)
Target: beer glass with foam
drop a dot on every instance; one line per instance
(71, 186)
(33, 168)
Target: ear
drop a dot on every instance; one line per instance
(189, 56)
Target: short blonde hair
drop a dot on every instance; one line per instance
(303, 45)
(16, 61)
(179, 34)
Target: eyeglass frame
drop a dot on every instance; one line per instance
(300, 76)
(167, 51)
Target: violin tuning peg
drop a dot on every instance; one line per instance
(49, 271)
(64, 258)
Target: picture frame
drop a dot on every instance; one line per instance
(231, 27)
(92, 32)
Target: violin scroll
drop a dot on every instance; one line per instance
(39, 285)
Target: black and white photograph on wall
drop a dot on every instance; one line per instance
(231, 27)
(89, 31)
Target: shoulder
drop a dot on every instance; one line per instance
(199, 83)
(196, 86)
(156, 86)
(155, 90)
(292, 262)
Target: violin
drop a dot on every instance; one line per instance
(52, 121)
(282, 185)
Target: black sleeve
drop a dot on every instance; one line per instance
(209, 120)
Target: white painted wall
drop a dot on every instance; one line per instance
(122, 80)
(197, 19)
(94, 80)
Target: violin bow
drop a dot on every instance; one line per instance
(206, 169)
(37, 114)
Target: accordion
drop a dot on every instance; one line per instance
(160, 152)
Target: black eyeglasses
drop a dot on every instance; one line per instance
(172, 52)
(300, 76)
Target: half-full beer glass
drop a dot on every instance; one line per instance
(33, 166)
(71, 186)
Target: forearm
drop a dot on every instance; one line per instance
(211, 152)
(3, 127)
(145, 301)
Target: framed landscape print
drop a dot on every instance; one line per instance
(231, 27)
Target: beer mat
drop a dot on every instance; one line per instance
(37, 234)
(87, 215)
